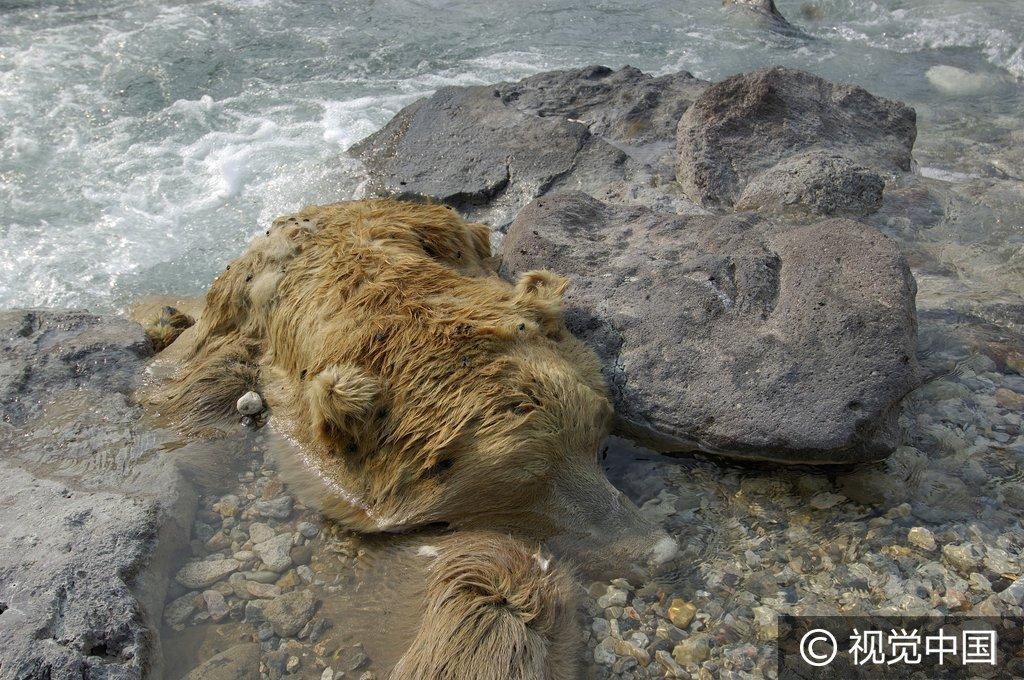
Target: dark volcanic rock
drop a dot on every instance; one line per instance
(731, 333)
(489, 150)
(747, 124)
(816, 182)
(89, 516)
(626, 106)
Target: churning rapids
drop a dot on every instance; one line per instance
(144, 142)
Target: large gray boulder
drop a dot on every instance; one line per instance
(490, 150)
(734, 334)
(752, 123)
(90, 515)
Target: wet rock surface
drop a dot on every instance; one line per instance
(303, 596)
(733, 333)
(489, 150)
(765, 13)
(747, 124)
(89, 517)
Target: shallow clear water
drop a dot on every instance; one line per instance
(144, 142)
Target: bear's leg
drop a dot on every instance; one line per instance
(495, 611)
(166, 328)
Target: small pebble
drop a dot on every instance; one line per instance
(249, 404)
(921, 538)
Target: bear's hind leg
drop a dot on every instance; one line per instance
(495, 611)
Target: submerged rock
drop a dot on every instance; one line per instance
(750, 123)
(764, 12)
(288, 613)
(958, 82)
(692, 650)
(205, 573)
(733, 334)
(275, 552)
(89, 516)
(241, 662)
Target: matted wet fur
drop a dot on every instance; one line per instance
(495, 610)
(421, 387)
(167, 326)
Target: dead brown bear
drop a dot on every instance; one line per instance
(495, 610)
(422, 388)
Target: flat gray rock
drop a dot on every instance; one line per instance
(748, 124)
(288, 613)
(89, 516)
(489, 150)
(733, 334)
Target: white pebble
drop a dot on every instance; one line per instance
(249, 404)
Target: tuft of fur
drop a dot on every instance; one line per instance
(495, 611)
(339, 396)
(166, 328)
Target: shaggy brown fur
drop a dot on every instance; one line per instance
(166, 328)
(494, 612)
(424, 388)
(421, 388)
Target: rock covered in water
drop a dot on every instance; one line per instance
(959, 82)
(275, 552)
(692, 650)
(681, 613)
(241, 662)
(734, 334)
(83, 566)
(765, 12)
(288, 613)
(748, 124)
(205, 573)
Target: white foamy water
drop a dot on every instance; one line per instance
(143, 143)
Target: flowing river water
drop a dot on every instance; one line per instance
(144, 143)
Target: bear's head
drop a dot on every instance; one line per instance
(480, 431)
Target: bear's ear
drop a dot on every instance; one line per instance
(539, 296)
(340, 397)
